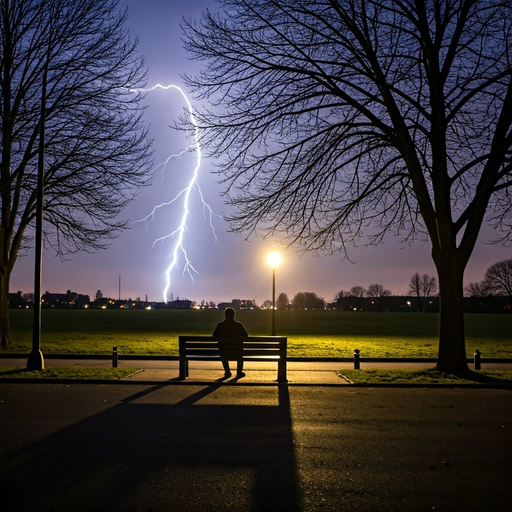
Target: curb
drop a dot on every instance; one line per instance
(347, 384)
(131, 357)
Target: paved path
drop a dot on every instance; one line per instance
(324, 373)
(194, 448)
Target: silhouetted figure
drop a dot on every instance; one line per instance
(229, 334)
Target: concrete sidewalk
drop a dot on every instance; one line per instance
(165, 371)
(152, 371)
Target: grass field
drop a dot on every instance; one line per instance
(427, 377)
(58, 373)
(310, 333)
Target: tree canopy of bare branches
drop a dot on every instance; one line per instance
(498, 278)
(357, 291)
(376, 290)
(421, 286)
(342, 120)
(96, 151)
(307, 300)
(282, 301)
(477, 290)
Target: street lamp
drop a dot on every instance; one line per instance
(35, 360)
(273, 259)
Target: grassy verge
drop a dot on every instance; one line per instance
(310, 333)
(368, 377)
(62, 372)
(427, 377)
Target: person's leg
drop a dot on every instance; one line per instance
(225, 364)
(224, 357)
(240, 368)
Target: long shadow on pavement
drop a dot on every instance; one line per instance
(146, 454)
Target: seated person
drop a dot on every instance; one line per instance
(226, 333)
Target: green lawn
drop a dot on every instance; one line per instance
(427, 377)
(310, 333)
(63, 372)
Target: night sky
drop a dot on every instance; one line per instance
(227, 265)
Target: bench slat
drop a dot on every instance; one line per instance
(214, 343)
(216, 357)
(249, 338)
(246, 353)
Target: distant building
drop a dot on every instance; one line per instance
(17, 301)
(180, 304)
(65, 300)
(206, 305)
(101, 303)
(243, 304)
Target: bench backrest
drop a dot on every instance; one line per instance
(253, 346)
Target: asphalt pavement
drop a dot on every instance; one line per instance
(214, 447)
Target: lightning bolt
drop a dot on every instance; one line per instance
(178, 233)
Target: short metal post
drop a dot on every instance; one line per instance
(357, 365)
(114, 357)
(477, 355)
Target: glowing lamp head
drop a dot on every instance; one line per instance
(273, 259)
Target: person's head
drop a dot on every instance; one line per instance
(229, 313)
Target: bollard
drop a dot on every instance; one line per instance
(114, 357)
(356, 359)
(477, 356)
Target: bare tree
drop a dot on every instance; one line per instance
(282, 301)
(307, 300)
(415, 289)
(498, 278)
(356, 294)
(357, 291)
(338, 298)
(481, 296)
(377, 290)
(342, 120)
(428, 285)
(29, 297)
(96, 151)
(422, 286)
(341, 294)
(477, 290)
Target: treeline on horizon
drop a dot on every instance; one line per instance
(302, 301)
(492, 294)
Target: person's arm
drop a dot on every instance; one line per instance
(242, 330)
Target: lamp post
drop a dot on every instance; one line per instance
(35, 360)
(273, 259)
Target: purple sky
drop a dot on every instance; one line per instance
(228, 267)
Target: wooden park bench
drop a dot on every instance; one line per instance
(254, 348)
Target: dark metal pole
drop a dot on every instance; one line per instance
(478, 360)
(273, 301)
(35, 359)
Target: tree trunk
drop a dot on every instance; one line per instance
(5, 324)
(420, 309)
(452, 345)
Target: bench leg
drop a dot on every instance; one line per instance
(183, 369)
(281, 370)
